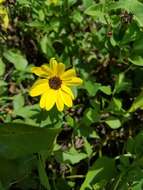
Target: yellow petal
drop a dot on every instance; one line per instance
(51, 98)
(43, 100)
(60, 69)
(75, 81)
(66, 98)
(39, 87)
(67, 90)
(53, 65)
(68, 74)
(43, 71)
(59, 103)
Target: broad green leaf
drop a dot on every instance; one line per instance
(102, 169)
(20, 139)
(47, 47)
(92, 87)
(94, 10)
(18, 101)
(17, 59)
(97, 12)
(2, 67)
(120, 83)
(27, 111)
(117, 103)
(91, 116)
(113, 122)
(88, 147)
(138, 103)
(106, 90)
(115, 106)
(71, 156)
(70, 121)
(77, 17)
(138, 60)
(41, 15)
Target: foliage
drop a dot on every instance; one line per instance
(96, 144)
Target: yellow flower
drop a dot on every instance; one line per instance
(4, 20)
(54, 85)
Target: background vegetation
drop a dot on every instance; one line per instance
(98, 143)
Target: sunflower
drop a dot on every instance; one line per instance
(54, 85)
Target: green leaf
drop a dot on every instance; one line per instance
(20, 139)
(137, 60)
(2, 67)
(47, 47)
(97, 12)
(88, 147)
(91, 116)
(72, 156)
(92, 87)
(117, 103)
(18, 101)
(106, 90)
(27, 111)
(77, 17)
(17, 59)
(138, 103)
(120, 83)
(113, 122)
(94, 10)
(102, 169)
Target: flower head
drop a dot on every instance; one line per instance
(54, 85)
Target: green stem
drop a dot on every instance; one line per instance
(75, 176)
(117, 183)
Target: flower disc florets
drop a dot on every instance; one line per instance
(55, 83)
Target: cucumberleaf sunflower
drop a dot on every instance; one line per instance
(54, 85)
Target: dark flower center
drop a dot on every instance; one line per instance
(55, 83)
